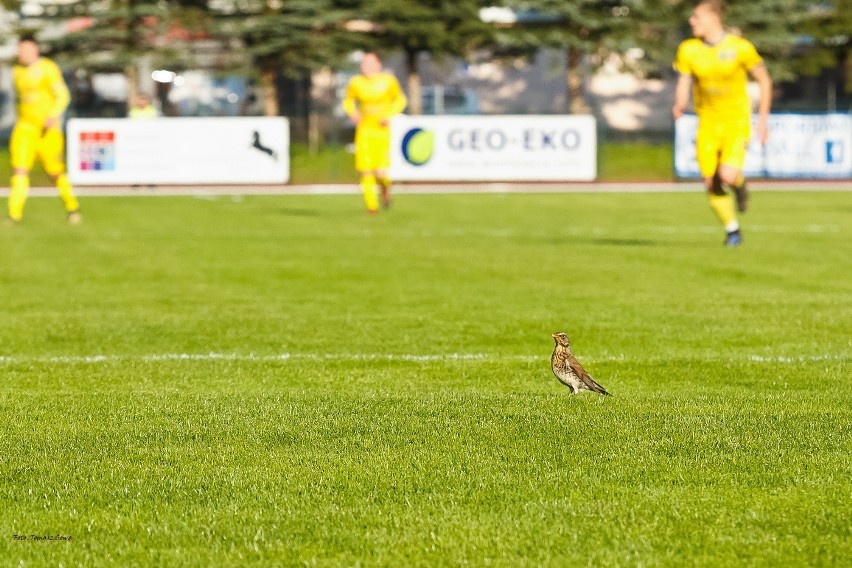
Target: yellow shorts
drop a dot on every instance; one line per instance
(29, 142)
(721, 143)
(372, 148)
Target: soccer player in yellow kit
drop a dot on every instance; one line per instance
(42, 97)
(372, 99)
(715, 65)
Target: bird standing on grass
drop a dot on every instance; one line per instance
(568, 370)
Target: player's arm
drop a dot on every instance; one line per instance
(61, 96)
(350, 103)
(764, 82)
(398, 99)
(753, 63)
(682, 89)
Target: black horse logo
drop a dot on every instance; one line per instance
(256, 143)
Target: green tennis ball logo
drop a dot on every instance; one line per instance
(417, 146)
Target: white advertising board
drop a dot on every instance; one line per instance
(799, 146)
(494, 148)
(222, 150)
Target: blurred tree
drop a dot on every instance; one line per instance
(659, 30)
(293, 37)
(799, 37)
(270, 38)
(796, 37)
(114, 35)
(772, 26)
(437, 27)
(581, 28)
(830, 26)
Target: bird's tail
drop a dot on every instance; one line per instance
(600, 389)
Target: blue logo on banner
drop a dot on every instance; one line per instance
(834, 152)
(417, 146)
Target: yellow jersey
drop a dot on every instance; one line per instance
(143, 112)
(720, 74)
(375, 98)
(41, 91)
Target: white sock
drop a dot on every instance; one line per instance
(732, 226)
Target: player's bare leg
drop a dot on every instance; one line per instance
(50, 152)
(385, 187)
(69, 200)
(734, 178)
(368, 188)
(723, 205)
(18, 191)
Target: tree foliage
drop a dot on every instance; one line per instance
(295, 37)
(436, 27)
(825, 39)
(581, 28)
(796, 37)
(110, 35)
(586, 25)
(291, 35)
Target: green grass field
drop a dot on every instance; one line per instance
(282, 380)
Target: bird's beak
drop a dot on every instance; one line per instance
(553, 335)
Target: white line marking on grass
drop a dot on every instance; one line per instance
(599, 231)
(318, 357)
(437, 188)
(444, 357)
(762, 359)
(584, 232)
(153, 358)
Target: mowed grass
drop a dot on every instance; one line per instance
(278, 381)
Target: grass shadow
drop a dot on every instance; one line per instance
(296, 212)
(609, 241)
(626, 242)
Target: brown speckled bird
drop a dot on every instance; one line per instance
(568, 370)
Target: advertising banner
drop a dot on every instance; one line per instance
(799, 146)
(494, 148)
(222, 150)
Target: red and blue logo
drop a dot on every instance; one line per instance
(97, 151)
